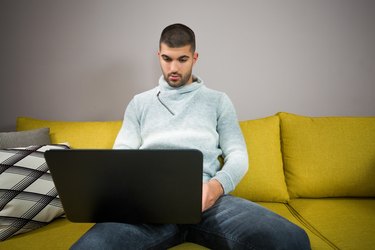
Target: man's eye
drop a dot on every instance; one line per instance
(167, 59)
(182, 60)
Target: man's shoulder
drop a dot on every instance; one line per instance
(213, 93)
(143, 99)
(146, 94)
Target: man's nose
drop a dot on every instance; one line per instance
(175, 66)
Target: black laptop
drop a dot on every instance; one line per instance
(130, 186)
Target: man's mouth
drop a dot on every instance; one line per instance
(174, 77)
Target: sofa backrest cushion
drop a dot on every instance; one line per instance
(328, 156)
(90, 135)
(264, 180)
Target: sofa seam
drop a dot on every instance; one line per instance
(290, 196)
(309, 226)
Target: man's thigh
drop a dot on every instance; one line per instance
(129, 236)
(236, 223)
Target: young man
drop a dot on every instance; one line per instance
(181, 112)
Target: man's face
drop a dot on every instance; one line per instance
(177, 64)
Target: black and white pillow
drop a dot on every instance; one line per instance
(28, 197)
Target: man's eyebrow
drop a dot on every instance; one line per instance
(183, 56)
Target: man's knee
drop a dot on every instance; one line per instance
(289, 236)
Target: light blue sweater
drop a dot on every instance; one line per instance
(189, 117)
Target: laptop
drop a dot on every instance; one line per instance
(130, 186)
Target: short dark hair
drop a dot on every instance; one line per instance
(178, 35)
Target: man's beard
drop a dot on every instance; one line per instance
(184, 79)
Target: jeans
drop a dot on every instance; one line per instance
(232, 223)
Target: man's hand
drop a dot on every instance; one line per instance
(211, 191)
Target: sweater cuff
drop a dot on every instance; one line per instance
(225, 181)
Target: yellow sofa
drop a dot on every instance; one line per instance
(318, 172)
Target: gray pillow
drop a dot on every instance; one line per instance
(25, 138)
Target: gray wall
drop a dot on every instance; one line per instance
(84, 60)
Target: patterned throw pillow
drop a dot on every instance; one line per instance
(28, 197)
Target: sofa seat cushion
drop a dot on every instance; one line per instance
(328, 156)
(101, 134)
(265, 179)
(60, 234)
(346, 223)
(188, 246)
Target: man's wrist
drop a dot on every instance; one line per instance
(219, 190)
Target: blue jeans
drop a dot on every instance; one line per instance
(232, 223)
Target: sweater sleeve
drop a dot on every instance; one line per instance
(233, 146)
(129, 135)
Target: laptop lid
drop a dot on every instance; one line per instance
(131, 186)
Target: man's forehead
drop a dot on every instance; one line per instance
(175, 52)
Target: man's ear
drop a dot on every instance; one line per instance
(195, 57)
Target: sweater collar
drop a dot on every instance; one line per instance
(165, 88)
